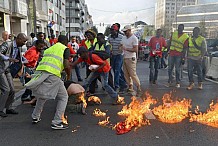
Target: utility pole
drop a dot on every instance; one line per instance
(34, 15)
(69, 20)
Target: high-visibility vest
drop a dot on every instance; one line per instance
(193, 51)
(89, 44)
(178, 42)
(53, 59)
(102, 48)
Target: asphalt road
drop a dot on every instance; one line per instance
(17, 130)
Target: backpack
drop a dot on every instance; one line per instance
(102, 54)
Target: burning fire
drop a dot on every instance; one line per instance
(120, 100)
(99, 113)
(172, 111)
(64, 119)
(104, 122)
(82, 98)
(94, 99)
(135, 113)
(209, 118)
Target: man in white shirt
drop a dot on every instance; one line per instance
(130, 48)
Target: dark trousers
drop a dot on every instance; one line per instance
(154, 66)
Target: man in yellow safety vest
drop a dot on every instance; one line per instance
(197, 49)
(47, 83)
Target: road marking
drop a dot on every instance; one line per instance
(164, 133)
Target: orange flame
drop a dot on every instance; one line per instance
(209, 118)
(135, 112)
(94, 99)
(82, 98)
(98, 113)
(120, 100)
(172, 111)
(104, 122)
(64, 119)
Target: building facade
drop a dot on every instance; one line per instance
(166, 12)
(204, 16)
(78, 18)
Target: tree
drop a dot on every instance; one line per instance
(148, 31)
(94, 28)
(107, 31)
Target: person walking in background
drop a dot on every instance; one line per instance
(47, 83)
(75, 47)
(177, 47)
(155, 44)
(101, 70)
(117, 58)
(10, 52)
(32, 56)
(53, 40)
(195, 54)
(130, 48)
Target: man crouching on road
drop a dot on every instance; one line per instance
(76, 101)
(102, 69)
(47, 83)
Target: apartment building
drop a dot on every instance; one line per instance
(78, 18)
(166, 11)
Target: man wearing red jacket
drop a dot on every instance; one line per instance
(32, 56)
(156, 43)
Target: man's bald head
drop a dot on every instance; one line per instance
(21, 39)
(5, 35)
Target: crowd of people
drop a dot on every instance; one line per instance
(47, 66)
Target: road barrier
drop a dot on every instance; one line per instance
(213, 68)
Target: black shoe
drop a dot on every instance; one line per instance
(35, 121)
(11, 111)
(60, 126)
(2, 114)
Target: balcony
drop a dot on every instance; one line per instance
(19, 9)
(4, 6)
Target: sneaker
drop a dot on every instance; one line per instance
(60, 126)
(190, 87)
(35, 120)
(200, 86)
(2, 114)
(154, 82)
(178, 86)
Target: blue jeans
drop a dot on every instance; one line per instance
(104, 81)
(197, 65)
(77, 70)
(174, 61)
(117, 63)
(154, 66)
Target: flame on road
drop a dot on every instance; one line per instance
(98, 113)
(135, 114)
(172, 111)
(64, 119)
(104, 122)
(209, 118)
(94, 99)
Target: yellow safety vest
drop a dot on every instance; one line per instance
(103, 48)
(178, 42)
(52, 60)
(89, 44)
(193, 51)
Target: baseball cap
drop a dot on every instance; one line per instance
(114, 27)
(127, 27)
(81, 50)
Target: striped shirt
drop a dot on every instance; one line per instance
(115, 43)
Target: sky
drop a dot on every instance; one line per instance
(122, 11)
